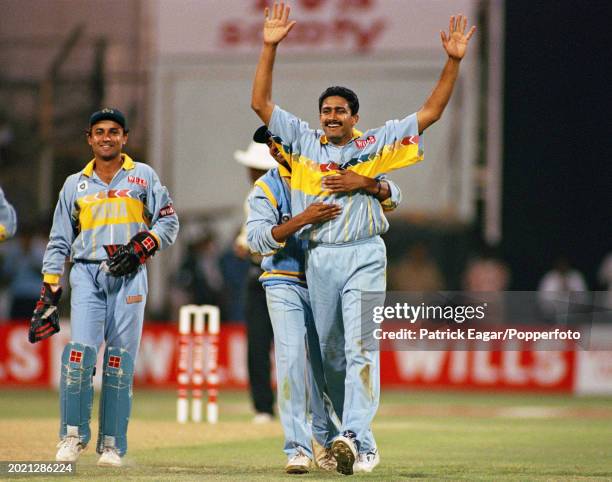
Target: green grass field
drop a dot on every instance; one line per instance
(421, 436)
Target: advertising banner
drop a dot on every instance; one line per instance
(25, 365)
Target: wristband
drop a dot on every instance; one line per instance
(379, 188)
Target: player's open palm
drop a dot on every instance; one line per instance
(457, 40)
(276, 23)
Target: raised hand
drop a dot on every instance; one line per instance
(457, 40)
(276, 23)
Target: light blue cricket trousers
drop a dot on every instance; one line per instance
(295, 345)
(106, 308)
(337, 276)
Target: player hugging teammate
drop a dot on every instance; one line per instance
(345, 256)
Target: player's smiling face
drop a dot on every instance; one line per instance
(337, 120)
(276, 154)
(107, 139)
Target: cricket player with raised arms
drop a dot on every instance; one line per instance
(110, 218)
(346, 256)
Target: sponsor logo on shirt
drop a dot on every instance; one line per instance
(362, 143)
(133, 299)
(137, 180)
(82, 186)
(167, 211)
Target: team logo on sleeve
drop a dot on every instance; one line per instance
(167, 211)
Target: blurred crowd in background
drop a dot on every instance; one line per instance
(212, 272)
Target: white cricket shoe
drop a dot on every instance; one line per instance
(298, 464)
(367, 462)
(109, 458)
(69, 449)
(323, 457)
(345, 453)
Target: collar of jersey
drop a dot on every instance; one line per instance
(356, 134)
(128, 164)
(283, 171)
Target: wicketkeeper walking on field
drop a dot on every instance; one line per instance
(109, 219)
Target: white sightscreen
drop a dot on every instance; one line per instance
(206, 117)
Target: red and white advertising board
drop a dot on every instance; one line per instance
(25, 365)
(323, 26)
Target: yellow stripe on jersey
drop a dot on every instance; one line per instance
(288, 273)
(306, 174)
(109, 211)
(284, 274)
(391, 158)
(264, 187)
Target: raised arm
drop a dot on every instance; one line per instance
(275, 29)
(455, 45)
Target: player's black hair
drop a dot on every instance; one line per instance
(345, 93)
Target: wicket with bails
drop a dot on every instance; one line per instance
(194, 323)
